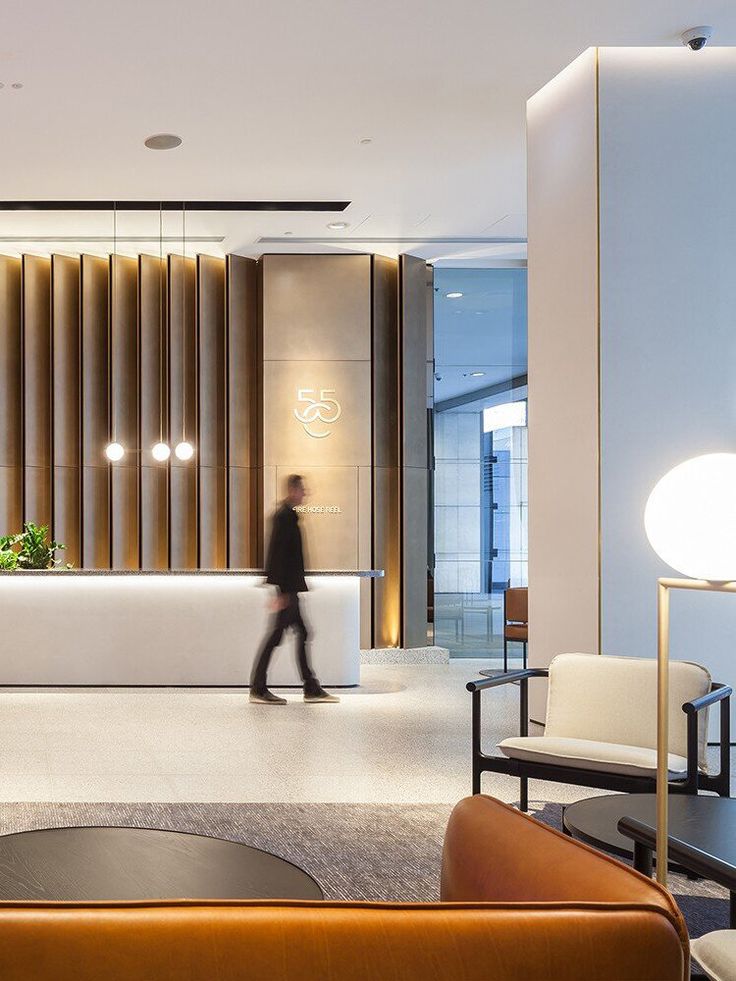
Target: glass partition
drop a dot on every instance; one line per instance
(480, 456)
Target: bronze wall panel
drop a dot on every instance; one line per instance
(413, 285)
(154, 409)
(414, 518)
(244, 504)
(317, 307)
(11, 397)
(182, 411)
(243, 344)
(125, 524)
(65, 391)
(386, 455)
(95, 413)
(96, 517)
(212, 428)
(387, 615)
(37, 427)
(212, 498)
(316, 393)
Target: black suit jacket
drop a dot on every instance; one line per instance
(285, 561)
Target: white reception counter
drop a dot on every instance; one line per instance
(89, 627)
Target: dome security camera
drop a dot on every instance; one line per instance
(697, 37)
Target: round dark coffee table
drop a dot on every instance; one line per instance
(80, 864)
(705, 823)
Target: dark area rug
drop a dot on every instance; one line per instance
(354, 851)
(389, 852)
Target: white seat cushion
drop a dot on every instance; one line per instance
(716, 954)
(588, 754)
(614, 700)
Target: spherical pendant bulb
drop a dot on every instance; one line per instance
(160, 452)
(114, 452)
(184, 451)
(690, 517)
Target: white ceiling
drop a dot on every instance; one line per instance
(480, 338)
(272, 99)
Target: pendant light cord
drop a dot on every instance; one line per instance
(110, 377)
(160, 323)
(184, 321)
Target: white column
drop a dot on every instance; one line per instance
(632, 336)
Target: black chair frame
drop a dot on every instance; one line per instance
(720, 782)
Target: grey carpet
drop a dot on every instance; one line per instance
(354, 851)
(377, 852)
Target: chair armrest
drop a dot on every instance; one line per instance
(716, 694)
(506, 679)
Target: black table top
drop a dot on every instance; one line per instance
(81, 864)
(706, 823)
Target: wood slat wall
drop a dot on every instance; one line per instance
(175, 351)
(124, 421)
(244, 346)
(11, 397)
(183, 523)
(83, 362)
(66, 400)
(212, 415)
(95, 391)
(37, 438)
(154, 411)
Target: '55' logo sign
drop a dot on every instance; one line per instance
(318, 412)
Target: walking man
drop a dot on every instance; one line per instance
(285, 570)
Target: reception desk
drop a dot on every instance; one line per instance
(89, 627)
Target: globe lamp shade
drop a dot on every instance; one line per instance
(114, 452)
(160, 452)
(184, 450)
(690, 517)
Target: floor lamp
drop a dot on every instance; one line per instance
(690, 520)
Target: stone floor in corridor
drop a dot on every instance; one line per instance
(403, 736)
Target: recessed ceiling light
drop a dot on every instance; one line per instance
(453, 296)
(17, 85)
(365, 141)
(288, 233)
(337, 226)
(163, 141)
(477, 374)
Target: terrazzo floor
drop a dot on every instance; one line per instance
(402, 737)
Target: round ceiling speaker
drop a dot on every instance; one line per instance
(163, 141)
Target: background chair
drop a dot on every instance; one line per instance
(515, 621)
(601, 727)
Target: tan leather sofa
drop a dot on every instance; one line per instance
(520, 902)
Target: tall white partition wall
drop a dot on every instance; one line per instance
(632, 338)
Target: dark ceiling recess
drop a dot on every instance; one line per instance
(173, 205)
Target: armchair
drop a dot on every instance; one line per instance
(601, 727)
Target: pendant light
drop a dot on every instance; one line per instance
(184, 450)
(160, 451)
(114, 451)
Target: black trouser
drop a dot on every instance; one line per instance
(290, 616)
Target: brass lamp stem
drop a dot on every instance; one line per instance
(663, 655)
(663, 741)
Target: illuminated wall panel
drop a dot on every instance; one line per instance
(11, 397)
